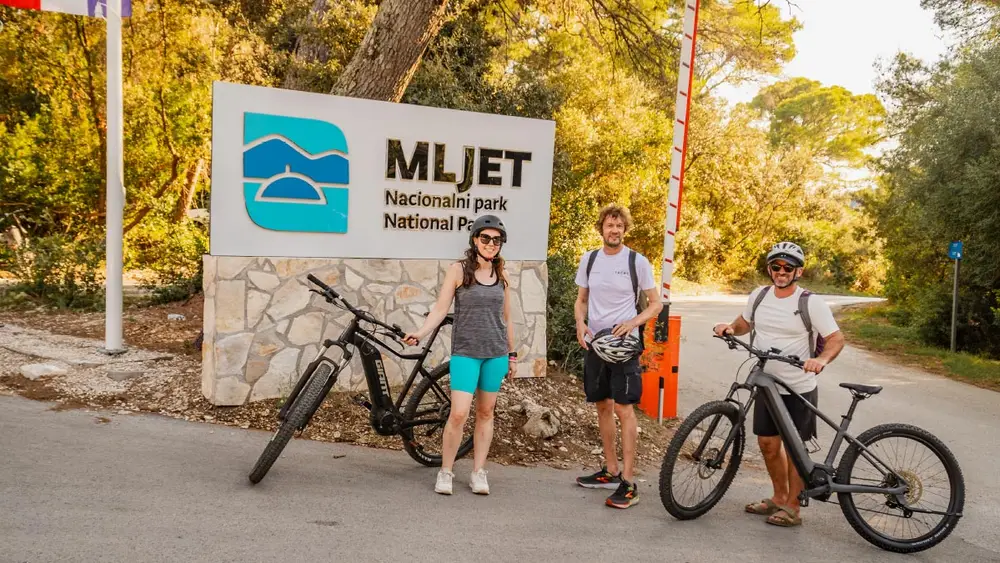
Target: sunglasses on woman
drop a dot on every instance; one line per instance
(787, 268)
(486, 239)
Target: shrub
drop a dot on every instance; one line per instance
(561, 323)
(58, 271)
(173, 252)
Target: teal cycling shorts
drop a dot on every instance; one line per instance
(469, 374)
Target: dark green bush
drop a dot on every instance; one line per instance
(561, 324)
(57, 271)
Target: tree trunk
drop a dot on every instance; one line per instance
(390, 52)
(141, 214)
(308, 48)
(187, 192)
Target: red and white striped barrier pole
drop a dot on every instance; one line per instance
(682, 113)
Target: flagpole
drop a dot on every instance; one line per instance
(115, 186)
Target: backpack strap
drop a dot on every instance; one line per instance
(753, 311)
(804, 313)
(590, 262)
(590, 265)
(633, 272)
(635, 278)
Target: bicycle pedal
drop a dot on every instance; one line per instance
(812, 446)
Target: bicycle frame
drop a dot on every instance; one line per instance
(367, 344)
(818, 484)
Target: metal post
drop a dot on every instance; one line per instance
(659, 407)
(954, 307)
(115, 185)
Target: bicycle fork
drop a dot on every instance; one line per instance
(308, 373)
(717, 461)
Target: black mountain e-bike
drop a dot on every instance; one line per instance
(908, 497)
(426, 410)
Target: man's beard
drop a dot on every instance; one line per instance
(779, 286)
(608, 242)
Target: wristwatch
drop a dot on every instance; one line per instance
(512, 356)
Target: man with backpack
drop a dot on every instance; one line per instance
(791, 319)
(617, 297)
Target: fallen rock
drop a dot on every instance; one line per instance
(34, 371)
(175, 317)
(542, 421)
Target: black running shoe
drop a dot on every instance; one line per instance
(626, 495)
(603, 479)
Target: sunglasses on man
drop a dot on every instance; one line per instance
(787, 268)
(486, 239)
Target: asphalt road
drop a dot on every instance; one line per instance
(147, 488)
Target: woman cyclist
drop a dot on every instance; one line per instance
(481, 345)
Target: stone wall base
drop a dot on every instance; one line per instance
(263, 326)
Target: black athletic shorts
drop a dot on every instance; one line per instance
(621, 382)
(803, 418)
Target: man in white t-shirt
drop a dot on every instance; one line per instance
(778, 323)
(608, 300)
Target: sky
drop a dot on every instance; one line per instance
(841, 40)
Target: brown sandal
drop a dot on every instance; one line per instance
(785, 517)
(767, 509)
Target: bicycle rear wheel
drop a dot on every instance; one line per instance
(428, 402)
(929, 469)
(298, 416)
(685, 474)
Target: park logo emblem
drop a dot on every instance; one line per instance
(295, 173)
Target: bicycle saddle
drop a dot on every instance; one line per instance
(866, 389)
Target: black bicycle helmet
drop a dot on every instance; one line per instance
(488, 222)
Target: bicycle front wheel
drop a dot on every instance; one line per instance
(432, 404)
(689, 486)
(305, 405)
(929, 470)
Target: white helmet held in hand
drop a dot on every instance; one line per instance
(615, 349)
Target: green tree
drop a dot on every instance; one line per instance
(942, 183)
(972, 20)
(830, 121)
(52, 121)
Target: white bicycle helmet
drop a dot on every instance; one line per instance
(615, 349)
(789, 252)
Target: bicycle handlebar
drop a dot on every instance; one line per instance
(326, 288)
(772, 354)
(331, 295)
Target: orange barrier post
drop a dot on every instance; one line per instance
(660, 361)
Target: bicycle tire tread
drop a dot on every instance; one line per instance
(411, 407)
(296, 418)
(850, 511)
(673, 451)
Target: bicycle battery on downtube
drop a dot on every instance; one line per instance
(382, 418)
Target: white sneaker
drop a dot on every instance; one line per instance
(443, 485)
(478, 482)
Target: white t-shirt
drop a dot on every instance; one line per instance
(779, 325)
(611, 299)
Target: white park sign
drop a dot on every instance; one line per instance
(310, 175)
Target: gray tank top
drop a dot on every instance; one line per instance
(480, 331)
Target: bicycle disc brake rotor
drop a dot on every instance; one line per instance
(916, 486)
(704, 471)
